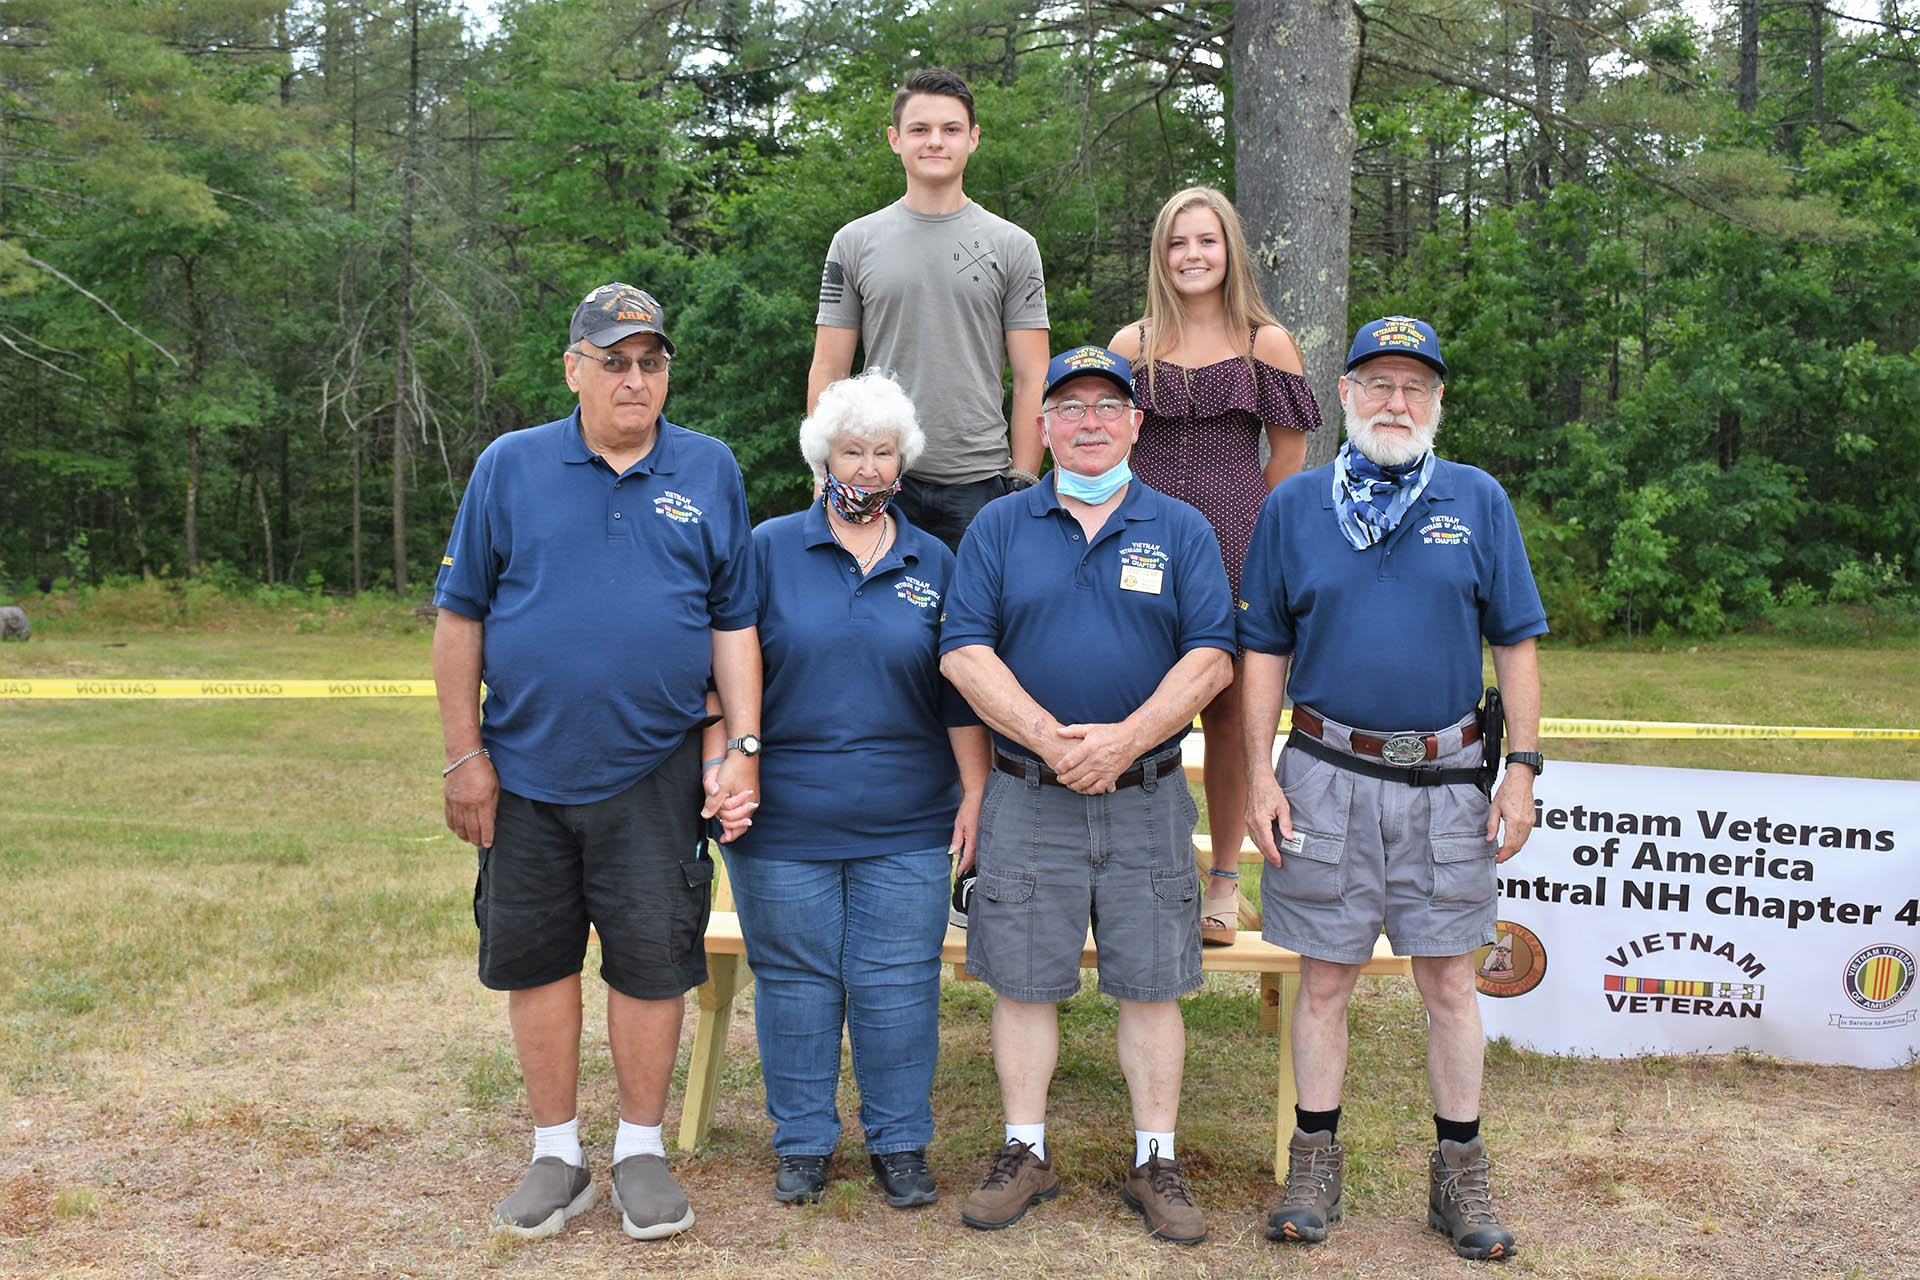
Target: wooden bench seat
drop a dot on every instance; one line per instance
(727, 976)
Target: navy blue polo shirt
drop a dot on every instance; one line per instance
(1389, 637)
(1089, 630)
(597, 593)
(855, 712)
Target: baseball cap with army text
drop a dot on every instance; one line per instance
(615, 311)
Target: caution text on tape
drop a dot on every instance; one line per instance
(128, 687)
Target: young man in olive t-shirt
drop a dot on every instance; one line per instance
(938, 292)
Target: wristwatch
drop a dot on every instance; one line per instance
(747, 744)
(1532, 759)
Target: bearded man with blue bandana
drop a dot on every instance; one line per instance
(1088, 621)
(1370, 586)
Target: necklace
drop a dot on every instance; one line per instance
(886, 529)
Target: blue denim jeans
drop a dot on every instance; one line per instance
(854, 941)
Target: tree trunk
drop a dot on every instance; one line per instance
(141, 447)
(1579, 72)
(1749, 94)
(403, 325)
(1293, 65)
(359, 577)
(1539, 176)
(1816, 64)
(193, 502)
(266, 525)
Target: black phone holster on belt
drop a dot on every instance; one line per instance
(1493, 729)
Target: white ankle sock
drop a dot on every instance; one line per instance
(561, 1140)
(637, 1140)
(1034, 1135)
(1142, 1146)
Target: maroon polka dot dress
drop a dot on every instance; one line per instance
(1200, 440)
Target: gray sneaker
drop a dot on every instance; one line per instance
(1314, 1198)
(651, 1204)
(552, 1192)
(1460, 1201)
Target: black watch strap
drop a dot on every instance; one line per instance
(1532, 759)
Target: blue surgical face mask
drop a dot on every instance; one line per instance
(1092, 490)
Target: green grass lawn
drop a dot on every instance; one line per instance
(248, 918)
(167, 851)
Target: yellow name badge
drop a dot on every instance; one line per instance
(1146, 580)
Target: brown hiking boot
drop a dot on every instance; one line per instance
(1314, 1198)
(1159, 1193)
(1460, 1201)
(1016, 1181)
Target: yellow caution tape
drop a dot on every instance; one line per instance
(125, 687)
(1556, 727)
(114, 687)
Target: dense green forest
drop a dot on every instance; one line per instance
(272, 273)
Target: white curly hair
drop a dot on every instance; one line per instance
(870, 407)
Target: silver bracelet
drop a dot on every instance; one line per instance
(477, 751)
(708, 764)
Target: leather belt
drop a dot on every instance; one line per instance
(1412, 775)
(1395, 749)
(1018, 768)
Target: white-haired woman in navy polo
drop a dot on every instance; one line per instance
(871, 773)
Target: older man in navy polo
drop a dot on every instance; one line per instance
(1372, 582)
(1088, 621)
(599, 572)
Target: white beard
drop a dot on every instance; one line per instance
(1390, 451)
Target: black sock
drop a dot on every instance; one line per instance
(1317, 1121)
(1461, 1131)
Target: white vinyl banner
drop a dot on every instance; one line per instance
(1697, 911)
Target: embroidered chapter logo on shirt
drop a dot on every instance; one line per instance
(1446, 531)
(678, 508)
(916, 592)
(1143, 555)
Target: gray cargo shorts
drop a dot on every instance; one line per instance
(1051, 861)
(1374, 854)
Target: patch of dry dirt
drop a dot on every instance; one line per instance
(356, 1137)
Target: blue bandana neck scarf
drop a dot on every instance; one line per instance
(1370, 500)
(857, 505)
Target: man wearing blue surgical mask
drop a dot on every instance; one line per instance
(1088, 621)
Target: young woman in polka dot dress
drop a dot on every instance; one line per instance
(1213, 370)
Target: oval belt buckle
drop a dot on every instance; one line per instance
(1404, 748)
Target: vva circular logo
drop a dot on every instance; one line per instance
(1878, 977)
(1513, 965)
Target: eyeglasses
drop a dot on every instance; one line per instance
(617, 364)
(1374, 390)
(1075, 410)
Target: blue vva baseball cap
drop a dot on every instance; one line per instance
(1396, 336)
(1089, 361)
